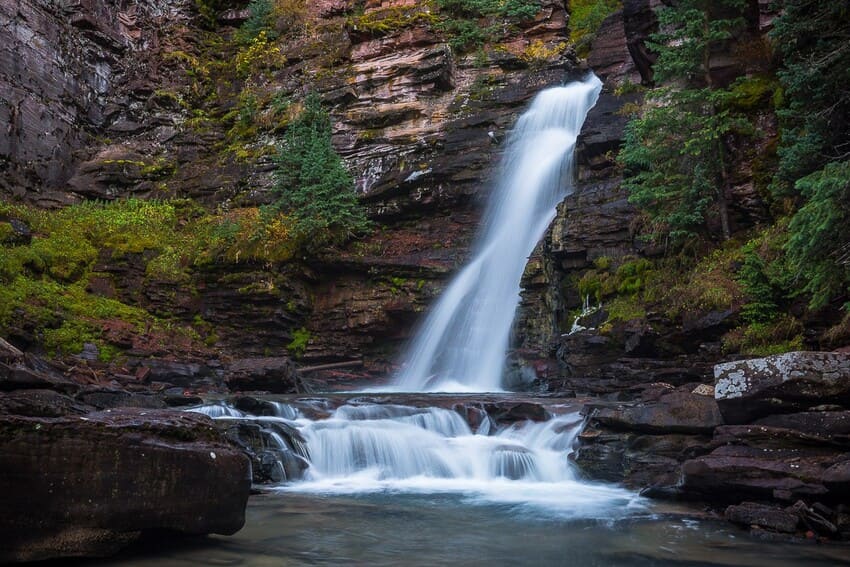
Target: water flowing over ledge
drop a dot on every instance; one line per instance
(461, 345)
(365, 447)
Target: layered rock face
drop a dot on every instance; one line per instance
(88, 469)
(63, 65)
(782, 467)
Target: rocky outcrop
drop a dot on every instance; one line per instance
(679, 443)
(93, 460)
(794, 381)
(61, 67)
(87, 486)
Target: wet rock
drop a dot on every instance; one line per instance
(115, 398)
(40, 403)
(278, 451)
(86, 486)
(837, 477)
(749, 389)
(770, 517)
(814, 519)
(512, 412)
(735, 472)
(186, 374)
(178, 397)
(278, 375)
(677, 412)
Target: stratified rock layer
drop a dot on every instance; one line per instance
(748, 389)
(88, 485)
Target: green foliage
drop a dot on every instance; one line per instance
(464, 35)
(259, 20)
(819, 243)
(586, 17)
(300, 339)
(709, 285)
(462, 19)
(313, 187)
(783, 334)
(602, 282)
(390, 20)
(813, 39)
(689, 30)
(675, 153)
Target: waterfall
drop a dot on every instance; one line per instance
(462, 343)
(367, 447)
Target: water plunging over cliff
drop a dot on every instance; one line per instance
(462, 343)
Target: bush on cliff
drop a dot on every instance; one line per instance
(313, 187)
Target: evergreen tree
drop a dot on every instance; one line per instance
(813, 40)
(313, 187)
(675, 152)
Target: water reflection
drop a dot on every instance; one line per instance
(406, 529)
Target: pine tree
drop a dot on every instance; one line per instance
(675, 152)
(313, 187)
(813, 40)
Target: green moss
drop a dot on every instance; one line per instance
(391, 20)
(784, 334)
(624, 309)
(586, 17)
(751, 93)
(159, 169)
(300, 339)
(6, 232)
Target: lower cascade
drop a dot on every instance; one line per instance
(363, 446)
(461, 345)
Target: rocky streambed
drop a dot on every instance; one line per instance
(765, 447)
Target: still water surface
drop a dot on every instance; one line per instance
(444, 529)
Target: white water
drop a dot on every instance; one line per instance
(462, 343)
(396, 448)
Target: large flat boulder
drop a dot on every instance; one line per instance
(82, 486)
(749, 389)
(676, 412)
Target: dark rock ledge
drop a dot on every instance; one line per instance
(92, 460)
(768, 445)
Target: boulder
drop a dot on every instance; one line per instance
(272, 374)
(749, 389)
(86, 486)
(732, 473)
(677, 412)
(762, 515)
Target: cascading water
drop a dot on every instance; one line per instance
(363, 446)
(462, 343)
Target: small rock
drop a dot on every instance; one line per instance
(751, 513)
(704, 390)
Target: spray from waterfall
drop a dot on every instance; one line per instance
(461, 345)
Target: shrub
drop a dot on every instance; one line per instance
(313, 187)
